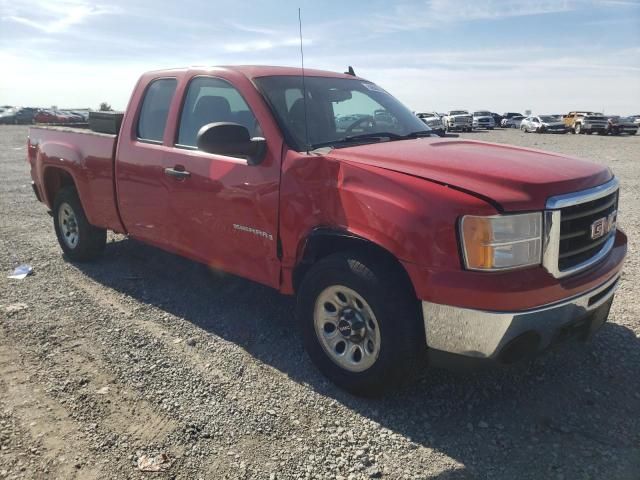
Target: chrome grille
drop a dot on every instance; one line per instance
(580, 228)
(576, 244)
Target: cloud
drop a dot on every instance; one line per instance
(252, 29)
(263, 44)
(439, 13)
(53, 17)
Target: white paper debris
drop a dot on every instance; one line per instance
(21, 272)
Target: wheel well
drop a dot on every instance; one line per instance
(54, 180)
(322, 243)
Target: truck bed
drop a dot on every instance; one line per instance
(85, 155)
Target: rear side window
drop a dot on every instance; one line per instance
(212, 100)
(155, 109)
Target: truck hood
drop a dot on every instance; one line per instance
(513, 177)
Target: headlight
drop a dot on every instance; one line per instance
(501, 242)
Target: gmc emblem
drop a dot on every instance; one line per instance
(603, 225)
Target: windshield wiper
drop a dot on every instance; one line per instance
(373, 136)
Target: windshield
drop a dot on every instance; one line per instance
(548, 118)
(481, 114)
(594, 117)
(336, 109)
(458, 112)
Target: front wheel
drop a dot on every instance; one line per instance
(578, 129)
(80, 241)
(361, 326)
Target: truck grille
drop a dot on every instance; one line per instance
(576, 243)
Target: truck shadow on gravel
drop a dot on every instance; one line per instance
(568, 414)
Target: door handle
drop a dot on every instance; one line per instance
(175, 173)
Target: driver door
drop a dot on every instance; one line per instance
(222, 211)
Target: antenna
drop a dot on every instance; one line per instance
(304, 87)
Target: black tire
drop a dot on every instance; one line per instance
(90, 240)
(390, 296)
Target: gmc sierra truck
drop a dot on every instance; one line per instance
(399, 246)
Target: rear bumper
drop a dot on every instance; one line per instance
(506, 337)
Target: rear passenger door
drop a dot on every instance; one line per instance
(222, 211)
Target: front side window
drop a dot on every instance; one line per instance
(212, 100)
(336, 110)
(155, 109)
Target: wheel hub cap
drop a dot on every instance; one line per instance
(347, 328)
(68, 225)
(351, 325)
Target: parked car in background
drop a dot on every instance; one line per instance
(458, 120)
(483, 119)
(83, 114)
(508, 115)
(585, 122)
(344, 122)
(636, 119)
(497, 119)
(433, 121)
(512, 122)
(25, 115)
(542, 124)
(73, 117)
(47, 116)
(594, 123)
(617, 125)
(8, 115)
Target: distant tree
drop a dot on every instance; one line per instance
(105, 107)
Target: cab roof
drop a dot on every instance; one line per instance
(255, 71)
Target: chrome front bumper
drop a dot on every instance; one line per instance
(495, 335)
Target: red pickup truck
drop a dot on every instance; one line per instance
(398, 244)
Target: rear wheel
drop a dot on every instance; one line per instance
(79, 240)
(361, 324)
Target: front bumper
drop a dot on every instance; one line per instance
(507, 337)
(478, 124)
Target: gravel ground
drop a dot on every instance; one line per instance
(143, 353)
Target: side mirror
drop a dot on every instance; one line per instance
(232, 139)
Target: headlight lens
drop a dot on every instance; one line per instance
(501, 242)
